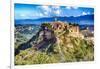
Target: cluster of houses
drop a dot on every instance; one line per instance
(61, 26)
(74, 29)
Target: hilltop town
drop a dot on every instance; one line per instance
(72, 29)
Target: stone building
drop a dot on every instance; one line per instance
(65, 26)
(74, 29)
(58, 25)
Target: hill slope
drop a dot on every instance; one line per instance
(49, 46)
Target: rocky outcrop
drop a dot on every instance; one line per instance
(40, 41)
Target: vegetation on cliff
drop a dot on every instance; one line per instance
(64, 49)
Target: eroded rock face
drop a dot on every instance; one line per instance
(47, 37)
(40, 41)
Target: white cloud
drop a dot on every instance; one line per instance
(46, 12)
(71, 7)
(74, 7)
(68, 7)
(22, 15)
(40, 14)
(84, 13)
(56, 7)
(88, 12)
(57, 12)
(45, 8)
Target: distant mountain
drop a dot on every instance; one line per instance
(86, 19)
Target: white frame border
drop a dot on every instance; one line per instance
(38, 66)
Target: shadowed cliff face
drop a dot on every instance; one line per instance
(48, 38)
(42, 40)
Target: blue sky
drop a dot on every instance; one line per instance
(30, 11)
